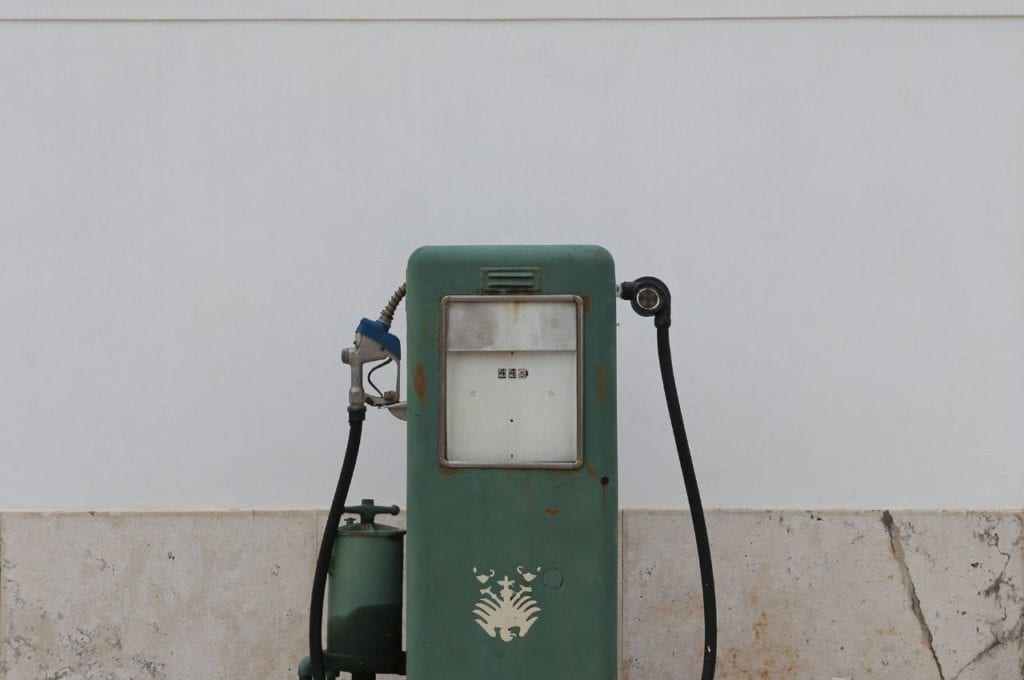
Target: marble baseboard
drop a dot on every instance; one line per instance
(802, 595)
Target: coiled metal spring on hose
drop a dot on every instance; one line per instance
(387, 314)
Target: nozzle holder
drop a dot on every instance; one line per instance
(649, 296)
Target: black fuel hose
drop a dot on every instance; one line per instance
(650, 297)
(356, 416)
(700, 528)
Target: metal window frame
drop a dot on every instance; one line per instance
(446, 303)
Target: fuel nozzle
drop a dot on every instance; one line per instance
(374, 343)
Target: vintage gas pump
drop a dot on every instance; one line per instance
(511, 569)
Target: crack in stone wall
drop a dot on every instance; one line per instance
(1006, 593)
(1016, 634)
(896, 546)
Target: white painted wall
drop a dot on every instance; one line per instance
(194, 216)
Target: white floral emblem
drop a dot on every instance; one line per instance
(510, 609)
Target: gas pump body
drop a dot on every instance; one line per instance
(512, 554)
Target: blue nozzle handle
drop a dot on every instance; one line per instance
(378, 331)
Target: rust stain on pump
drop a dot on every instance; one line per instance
(419, 383)
(552, 511)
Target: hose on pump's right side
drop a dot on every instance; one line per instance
(650, 297)
(700, 528)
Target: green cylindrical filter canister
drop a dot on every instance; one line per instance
(364, 595)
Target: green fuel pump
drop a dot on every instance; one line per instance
(511, 570)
